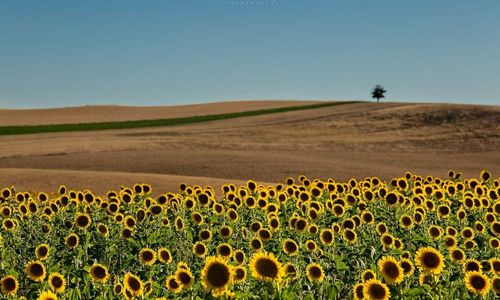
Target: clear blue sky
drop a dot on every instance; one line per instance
(134, 52)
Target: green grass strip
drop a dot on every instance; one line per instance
(31, 129)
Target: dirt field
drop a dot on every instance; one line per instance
(353, 140)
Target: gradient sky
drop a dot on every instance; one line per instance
(134, 52)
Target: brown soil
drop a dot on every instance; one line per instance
(353, 140)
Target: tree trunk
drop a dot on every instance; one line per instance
(378, 99)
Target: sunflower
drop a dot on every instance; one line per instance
(265, 267)
(147, 256)
(494, 243)
(425, 278)
(350, 236)
(130, 222)
(326, 236)
(103, 229)
(57, 282)
(217, 275)
(256, 244)
(450, 242)
(429, 260)
(314, 272)
(126, 233)
(133, 284)
(117, 288)
(164, 255)
(205, 235)
(239, 256)
(35, 270)
(148, 287)
(47, 295)
(374, 289)
(199, 249)
(9, 224)
(240, 274)
(457, 255)
(391, 270)
(72, 240)
(435, 232)
(386, 240)
(290, 247)
(42, 251)
(406, 221)
(477, 283)
(184, 277)
(367, 217)
(311, 246)
(182, 265)
(407, 267)
(99, 273)
(468, 233)
(472, 264)
(173, 284)
(83, 221)
(495, 265)
(469, 244)
(367, 275)
(291, 271)
(225, 250)
(495, 284)
(264, 234)
(9, 285)
(357, 291)
(225, 232)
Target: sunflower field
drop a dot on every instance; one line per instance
(413, 237)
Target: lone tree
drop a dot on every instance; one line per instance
(378, 92)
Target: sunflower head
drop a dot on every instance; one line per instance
(290, 247)
(239, 256)
(391, 270)
(472, 264)
(291, 271)
(133, 284)
(173, 284)
(375, 289)
(240, 274)
(83, 221)
(147, 256)
(9, 285)
(265, 267)
(457, 255)
(477, 283)
(495, 265)
(199, 249)
(72, 240)
(217, 275)
(429, 260)
(164, 255)
(99, 273)
(184, 277)
(35, 270)
(224, 250)
(57, 282)
(357, 291)
(47, 295)
(350, 236)
(42, 251)
(367, 275)
(407, 267)
(314, 272)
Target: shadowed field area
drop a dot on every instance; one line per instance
(351, 140)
